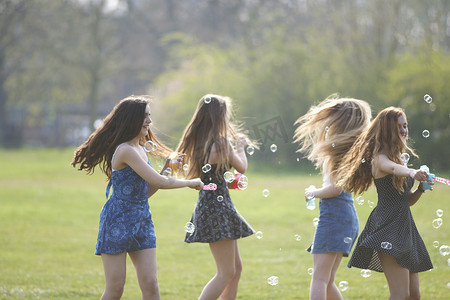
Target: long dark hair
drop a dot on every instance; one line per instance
(122, 124)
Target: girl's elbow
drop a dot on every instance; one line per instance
(241, 169)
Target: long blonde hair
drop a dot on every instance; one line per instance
(384, 136)
(327, 131)
(211, 123)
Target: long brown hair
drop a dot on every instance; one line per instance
(122, 124)
(383, 136)
(211, 123)
(327, 131)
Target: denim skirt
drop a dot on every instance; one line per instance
(338, 226)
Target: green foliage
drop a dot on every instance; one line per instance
(414, 76)
(49, 222)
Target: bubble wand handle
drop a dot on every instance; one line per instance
(442, 180)
(210, 187)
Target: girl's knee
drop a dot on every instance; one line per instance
(238, 268)
(149, 285)
(113, 291)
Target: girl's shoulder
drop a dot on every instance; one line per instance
(125, 152)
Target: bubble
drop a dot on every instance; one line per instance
(310, 271)
(315, 222)
(437, 223)
(365, 273)
(242, 182)
(363, 160)
(228, 176)
(266, 193)
(149, 146)
(272, 280)
(386, 245)
(405, 158)
(359, 200)
(343, 286)
(444, 250)
(327, 128)
(220, 198)
(98, 123)
(250, 150)
(425, 133)
(185, 167)
(435, 244)
(348, 240)
(259, 235)
(208, 100)
(297, 237)
(439, 213)
(206, 168)
(189, 227)
(371, 204)
(427, 98)
(333, 145)
(273, 148)
(298, 159)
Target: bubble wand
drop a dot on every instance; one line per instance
(442, 180)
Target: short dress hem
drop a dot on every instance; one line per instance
(390, 229)
(338, 226)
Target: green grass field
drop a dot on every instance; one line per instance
(49, 219)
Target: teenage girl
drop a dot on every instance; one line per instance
(216, 220)
(390, 242)
(326, 133)
(125, 221)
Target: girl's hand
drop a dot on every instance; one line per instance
(419, 175)
(309, 193)
(241, 142)
(196, 184)
(165, 167)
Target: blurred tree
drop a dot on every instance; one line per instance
(12, 12)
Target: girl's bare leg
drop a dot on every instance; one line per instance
(224, 253)
(145, 263)
(322, 283)
(231, 289)
(398, 278)
(114, 267)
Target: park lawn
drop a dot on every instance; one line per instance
(49, 220)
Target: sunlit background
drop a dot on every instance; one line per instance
(64, 65)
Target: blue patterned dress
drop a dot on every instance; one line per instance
(126, 221)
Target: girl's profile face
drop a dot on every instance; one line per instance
(146, 123)
(403, 126)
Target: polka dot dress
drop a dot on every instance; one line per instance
(390, 229)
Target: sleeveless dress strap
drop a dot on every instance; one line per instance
(108, 188)
(209, 151)
(114, 154)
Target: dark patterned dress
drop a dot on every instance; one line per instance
(125, 220)
(390, 229)
(215, 217)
